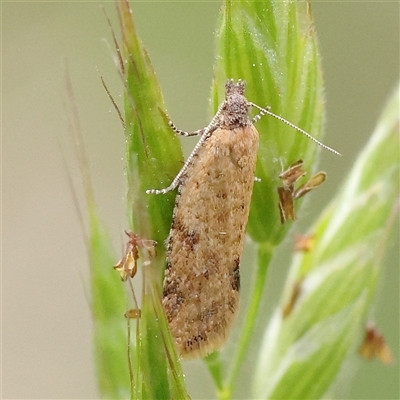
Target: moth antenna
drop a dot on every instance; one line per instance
(264, 111)
(206, 131)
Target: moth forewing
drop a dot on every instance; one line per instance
(201, 286)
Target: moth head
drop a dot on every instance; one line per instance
(234, 88)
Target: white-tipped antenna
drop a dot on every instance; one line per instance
(175, 183)
(264, 111)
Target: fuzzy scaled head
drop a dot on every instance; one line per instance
(235, 112)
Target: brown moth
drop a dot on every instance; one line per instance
(206, 240)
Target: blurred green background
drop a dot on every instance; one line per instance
(46, 321)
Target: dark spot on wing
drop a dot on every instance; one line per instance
(235, 277)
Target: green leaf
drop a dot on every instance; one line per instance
(107, 297)
(153, 158)
(108, 304)
(153, 152)
(302, 353)
(272, 46)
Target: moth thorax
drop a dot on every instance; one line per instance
(235, 112)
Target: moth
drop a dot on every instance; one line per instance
(206, 240)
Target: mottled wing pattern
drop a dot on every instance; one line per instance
(201, 285)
